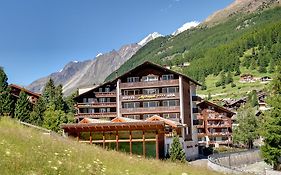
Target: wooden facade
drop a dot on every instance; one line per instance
(15, 91)
(145, 91)
(215, 125)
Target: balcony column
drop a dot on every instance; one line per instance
(118, 101)
(181, 106)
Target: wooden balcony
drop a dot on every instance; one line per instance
(220, 126)
(152, 110)
(149, 84)
(97, 105)
(200, 126)
(214, 134)
(105, 94)
(143, 97)
(200, 135)
(96, 115)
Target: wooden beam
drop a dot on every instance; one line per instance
(91, 138)
(103, 140)
(143, 143)
(131, 148)
(117, 141)
(157, 145)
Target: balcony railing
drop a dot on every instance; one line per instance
(143, 97)
(219, 134)
(219, 125)
(105, 94)
(96, 105)
(96, 115)
(151, 110)
(136, 85)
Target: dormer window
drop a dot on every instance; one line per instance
(168, 77)
(150, 77)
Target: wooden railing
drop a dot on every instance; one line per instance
(163, 83)
(96, 104)
(143, 97)
(105, 94)
(96, 115)
(152, 110)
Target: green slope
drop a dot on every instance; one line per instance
(221, 48)
(28, 151)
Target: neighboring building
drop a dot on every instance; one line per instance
(15, 91)
(247, 78)
(215, 125)
(265, 79)
(146, 91)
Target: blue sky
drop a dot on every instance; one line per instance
(38, 37)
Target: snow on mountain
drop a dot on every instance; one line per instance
(99, 54)
(185, 27)
(149, 37)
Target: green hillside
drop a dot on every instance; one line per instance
(221, 48)
(28, 151)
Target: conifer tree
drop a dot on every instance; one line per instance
(247, 129)
(37, 115)
(23, 108)
(6, 101)
(271, 149)
(49, 93)
(229, 78)
(59, 102)
(176, 150)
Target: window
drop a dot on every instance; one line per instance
(150, 78)
(133, 79)
(131, 105)
(150, 91)
(107, 89)
(102, 110)
(145, 116)
(131, 92)
(102, 100)
(171, 103)
(85, 100)
(168, 77)
(100, 89)
(171, 116)
(150, 104)
(170, 90)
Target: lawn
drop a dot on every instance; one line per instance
(28, 151)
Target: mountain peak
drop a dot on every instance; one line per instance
(185, 27)
(149, 37)
(237, 7)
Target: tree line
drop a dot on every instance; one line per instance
(50, 110)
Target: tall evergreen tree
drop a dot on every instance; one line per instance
(247, 129)
(176, 150)
(229, 78)
(59, 102)
(271, 149)
(37, 115)
(6, 101)
(23, 108)
(49, 93)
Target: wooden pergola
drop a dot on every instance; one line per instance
(144, 126)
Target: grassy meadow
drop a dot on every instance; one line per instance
(26, 151)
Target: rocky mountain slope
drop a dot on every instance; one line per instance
(90, 72)
(238, 7)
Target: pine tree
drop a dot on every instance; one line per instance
(54, 118)
(23, 108)
(176, 150)
(59, 102)
(253, 98)
(37, 115)
(229, 78)
(6, 101)
(247, 129)
(49, 93)
(271, 149)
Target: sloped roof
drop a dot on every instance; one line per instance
(124, 119)
(90, 120)
(217, 106)
(139, 67)
(171, 123)
(28, 92)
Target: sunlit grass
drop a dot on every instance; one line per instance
(27, 151)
